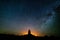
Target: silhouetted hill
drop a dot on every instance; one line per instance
(26, 37)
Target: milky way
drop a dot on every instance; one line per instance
(18, 15)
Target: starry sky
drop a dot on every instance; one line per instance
(17, 16)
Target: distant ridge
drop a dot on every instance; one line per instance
(25, 37)
(29, 36)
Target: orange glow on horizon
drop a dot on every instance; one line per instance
(33, 32)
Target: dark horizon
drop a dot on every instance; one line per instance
(27, 37)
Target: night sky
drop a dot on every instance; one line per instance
(17, 16)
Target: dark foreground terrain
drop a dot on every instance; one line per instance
(26, 37)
